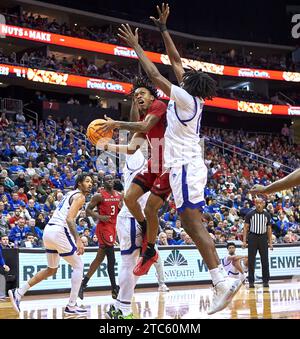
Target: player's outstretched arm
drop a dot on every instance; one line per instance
(126, 34)
(237, 257)
(139, 126)
(289, 181)
(161, 23)
(75, 207)
(134, 111)
(135, 143)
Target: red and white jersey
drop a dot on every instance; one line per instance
(109, 205)
(155, 136)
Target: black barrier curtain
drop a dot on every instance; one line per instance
(11, 258)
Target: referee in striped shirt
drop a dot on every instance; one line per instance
(258, 225)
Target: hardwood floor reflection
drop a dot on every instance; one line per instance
(280, 300)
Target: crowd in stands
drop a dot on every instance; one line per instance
(149, 41)
(230, 176)
(39, 165)
(233, 58)
(279, 149)
(238, 94)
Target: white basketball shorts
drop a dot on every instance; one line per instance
(188, 183)
(129, 235)
(58, 243)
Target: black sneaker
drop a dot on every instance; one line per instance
(81, 290)
(251, 286)
(115, 292)
(112, 312)
(75, 310)
(265, 284)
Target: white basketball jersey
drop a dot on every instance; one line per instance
(230, 269)
(60, 214)
(182, 138)
(227, 264)
(135, 163)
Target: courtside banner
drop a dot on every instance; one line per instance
(100, 47)
(181, 265)
(71, 80)
(64, 79)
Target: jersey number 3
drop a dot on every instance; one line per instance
(113, 210)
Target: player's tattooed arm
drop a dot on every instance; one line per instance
(126, 34)
(139, 126)
(134, 111)
(121, 200)
(171, 49)
(75, 207)
(90, 209)
(135, 143)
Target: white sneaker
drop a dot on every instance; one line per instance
(75, 310)
(242, 277)
(15, 299)
(163, 288)
(224, 291)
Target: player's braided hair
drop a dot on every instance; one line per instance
(141, 81)
(199, 84)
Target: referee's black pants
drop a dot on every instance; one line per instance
(258, 242)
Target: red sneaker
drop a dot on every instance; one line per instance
(143, 265)
(144, 244)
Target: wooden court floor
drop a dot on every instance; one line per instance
(280, 300)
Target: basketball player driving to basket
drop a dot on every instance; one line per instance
(152, 124)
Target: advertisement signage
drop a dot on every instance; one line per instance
(181, 265)
(71, 80)
(126, 52)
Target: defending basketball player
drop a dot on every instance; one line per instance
(107, 203)
(62, 240)
(152, 116)
(130, 237)
(183, 154)
(289, 181)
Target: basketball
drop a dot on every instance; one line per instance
(94, 133)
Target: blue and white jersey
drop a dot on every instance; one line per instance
(182, 138)
(60, 214)
(228, 267)
(135, 163)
